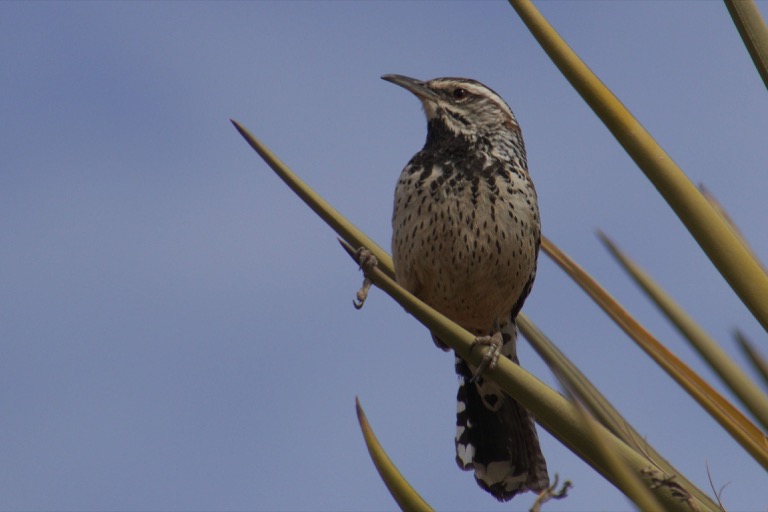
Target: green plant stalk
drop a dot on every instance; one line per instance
(709, 229)
(729, 417)
(729, 372)
(406, 496)
(553, 412)
(753, 32)
(600, 407)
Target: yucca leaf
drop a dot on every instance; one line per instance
(753, 32)
(599, 406)
(737, 424)
(566, 371)
(759, 363)
(320, 206)
(406, 496)
(724, 214)
(721, 245)
(631, 484)
(731, 374)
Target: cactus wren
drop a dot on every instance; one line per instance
(465, 240)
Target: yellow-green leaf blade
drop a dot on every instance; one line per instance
(404, 494)
(731, 374)
(320, 206)
(752, 439)
(599, 406)
(753, 32)
(759, 363)
(630, 483)
(713, 234)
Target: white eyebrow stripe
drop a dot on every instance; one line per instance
(478, 89)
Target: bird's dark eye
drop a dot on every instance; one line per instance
(460, 93)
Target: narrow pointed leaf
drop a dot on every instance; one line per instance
(759, 363)
(729, 417)
(721, 245)
(406, 496)
(566, 371)
(729, 372)
(724, 214)
(600, 407)
(630, 483)
(320, 206)
(753, 32)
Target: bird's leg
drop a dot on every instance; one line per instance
(491, 357)
(367, 262)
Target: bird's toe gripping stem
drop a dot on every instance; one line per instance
(367, 262)
(491, 356)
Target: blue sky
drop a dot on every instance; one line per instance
(177, 328)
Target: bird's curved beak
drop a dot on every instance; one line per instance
(417, 87)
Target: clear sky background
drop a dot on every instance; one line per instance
(176, 327)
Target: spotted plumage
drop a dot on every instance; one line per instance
(466, 234)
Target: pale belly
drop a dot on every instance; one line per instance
(469, 260)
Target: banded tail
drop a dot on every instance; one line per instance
(495, 435)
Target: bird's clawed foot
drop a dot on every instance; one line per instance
(551, 493)
(367, 262)
(491, 356)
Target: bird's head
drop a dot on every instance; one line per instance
(465, 107)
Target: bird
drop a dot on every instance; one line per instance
(465, 240)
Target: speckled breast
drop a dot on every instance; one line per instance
(466, 245)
